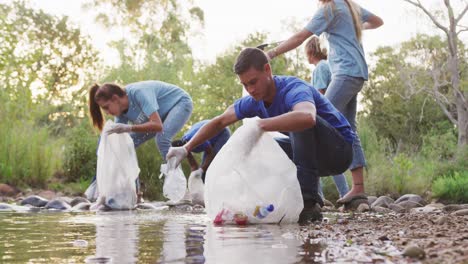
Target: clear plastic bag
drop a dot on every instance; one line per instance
(175, 183)
(243, 177)
(117, 170)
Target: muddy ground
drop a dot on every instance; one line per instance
(383, 238)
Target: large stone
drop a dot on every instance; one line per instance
(408, 205)
(84, 206)
(381, 210)
(382, 201)
(57, 204)
(414, 252)
(396, 208)
(354, 204)
(411, 197)
(47, 194)
(455, 207)
(461, 212)
(78, 200)
(371, 199)
(7, 190)
(35, 201)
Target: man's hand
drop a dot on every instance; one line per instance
(196, 173)
(119, 128)
(178, 153)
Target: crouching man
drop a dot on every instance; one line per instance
(320, 139)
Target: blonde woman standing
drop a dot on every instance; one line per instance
(341, 22)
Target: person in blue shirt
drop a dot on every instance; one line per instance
(320, 139)
(321, 78)
(209, 148)
(147, 110)
(341, 22)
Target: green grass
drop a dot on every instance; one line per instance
(452, 188)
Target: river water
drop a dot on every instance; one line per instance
(145, 236)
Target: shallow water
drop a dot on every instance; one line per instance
(145, 236)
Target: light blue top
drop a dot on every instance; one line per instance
(346, 55)
(289, 92)
(147, 97)
(321, 76)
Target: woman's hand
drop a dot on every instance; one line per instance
(120, 128)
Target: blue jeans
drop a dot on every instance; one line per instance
(220, 141)
(340, 183)
(317, 151)
(342, 93)
(172, 124)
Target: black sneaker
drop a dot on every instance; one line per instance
(310, 213)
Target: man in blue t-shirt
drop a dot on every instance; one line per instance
(289, 105)
(209, 148)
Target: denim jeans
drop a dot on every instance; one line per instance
(342, 93)
(317, 151)
(222, 139)
(172, 124)
(340, 183)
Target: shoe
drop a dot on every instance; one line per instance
(310, 213)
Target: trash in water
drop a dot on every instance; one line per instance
(80, 243)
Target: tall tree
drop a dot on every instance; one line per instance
(450, 25)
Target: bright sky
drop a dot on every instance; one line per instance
(229, 22)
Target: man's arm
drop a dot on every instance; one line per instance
(210, 154)
(301, 117)
(193, 163)
(212, 128)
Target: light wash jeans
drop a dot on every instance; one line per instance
(172, 124)
(342, 93)
(340, 183)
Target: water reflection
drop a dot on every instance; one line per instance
(142, 237)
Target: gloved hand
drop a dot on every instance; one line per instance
(119, 128)
(196, 173)
(177, 154)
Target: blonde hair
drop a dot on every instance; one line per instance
(355, 14)
(315, 49)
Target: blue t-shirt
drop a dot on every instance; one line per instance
(147, 97)
(289, 92)
(193, 130)
(346, 55)
(321, 76)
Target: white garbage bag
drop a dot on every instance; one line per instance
(175, 183)
(245, 179)
(117, 170)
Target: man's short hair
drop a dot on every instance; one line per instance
(250, 57)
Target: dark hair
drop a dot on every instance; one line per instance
(250, 57)
(103, 92)
(178, 143)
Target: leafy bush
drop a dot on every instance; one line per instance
(452, 188)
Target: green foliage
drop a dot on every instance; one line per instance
(452, 188)
(80, 153)
(28, 155)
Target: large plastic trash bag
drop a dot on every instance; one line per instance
(246, 176)
(175, 183)
(117, 170)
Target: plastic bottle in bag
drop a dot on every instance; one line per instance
(263, 211)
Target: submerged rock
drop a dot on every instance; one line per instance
(84, 206)
(35, 201)
(57, 204)
(5, 207)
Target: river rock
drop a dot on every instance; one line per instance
(425, 209)
(455, 207)
(146, 206)
(382, 201)
(371, 199)
(411, 197)
(364, 207)
(381, 210)
(78, 200)
(7, 190)
(441, 220)
(413, 251)
(84, 206)
(461, 212)
(408, 205)
(57, 204)
(35, 201)
(396, 208)
(5, 207)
